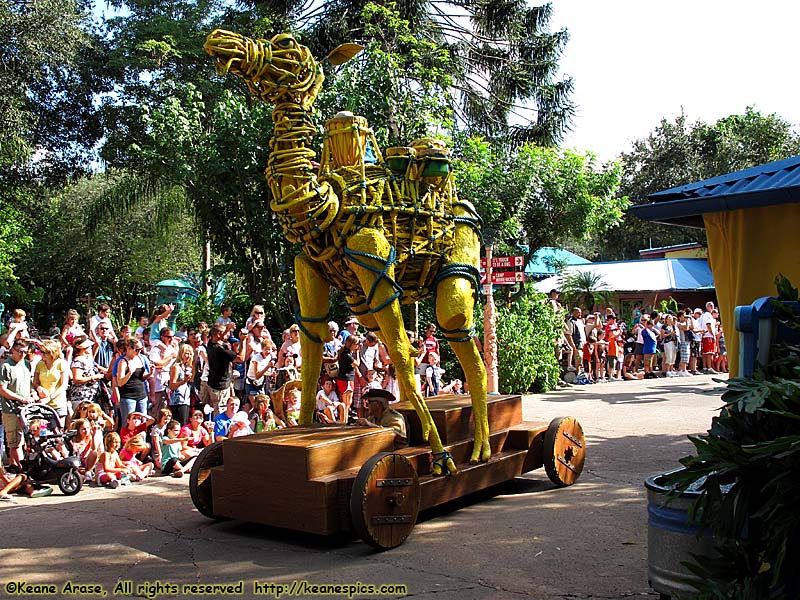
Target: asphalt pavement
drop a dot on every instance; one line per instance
(522, 539)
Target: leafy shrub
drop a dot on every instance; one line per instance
(526, 336)
(749, 462)
(196, 310)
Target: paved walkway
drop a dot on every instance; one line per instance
(523, 539)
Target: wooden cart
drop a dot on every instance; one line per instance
(328, 480)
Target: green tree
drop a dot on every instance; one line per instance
(502, 58)
(678, 152)
(120, 258)
(536, 196)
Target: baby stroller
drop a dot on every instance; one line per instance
(42, 462)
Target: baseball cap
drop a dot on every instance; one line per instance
(351, 320)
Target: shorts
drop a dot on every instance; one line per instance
(638, 349)
(612, 363)
(684, 349)
(669, 353)
(13, 433)
(219, 398)
(342, 386)
(709, 345)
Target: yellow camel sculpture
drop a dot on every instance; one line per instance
(382, 236)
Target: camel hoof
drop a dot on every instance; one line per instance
(442, 460)
(481, 452)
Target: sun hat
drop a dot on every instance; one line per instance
(351, 320)
(240, 417)
(379, 394)
(82, 342)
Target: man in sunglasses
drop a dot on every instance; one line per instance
(15, 390)
(102, 318)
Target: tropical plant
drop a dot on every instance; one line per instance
(747, 467)
(502, 58)
(585, 289)
(527, 331)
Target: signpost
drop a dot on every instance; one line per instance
(504, 262)
(490, 277)
(505, 277)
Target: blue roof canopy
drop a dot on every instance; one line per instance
(543, 259)
(675, 274)
(768, 184)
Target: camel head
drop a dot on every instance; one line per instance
(279, 70)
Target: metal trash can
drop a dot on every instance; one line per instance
(671, 537)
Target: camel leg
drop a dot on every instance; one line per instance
(312, 294)
(390, 321)
(454, 310)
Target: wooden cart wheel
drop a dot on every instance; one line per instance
(384, 503)
(564, 451)
(200, 479)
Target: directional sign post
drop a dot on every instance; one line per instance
(504, 262)
(505, 277)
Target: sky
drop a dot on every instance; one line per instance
(636, 62)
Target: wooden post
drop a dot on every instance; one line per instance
(490, 330)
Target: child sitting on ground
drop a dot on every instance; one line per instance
(110, 468)
(21, 484)
(291, 407)
(136, 445)
(171, 444)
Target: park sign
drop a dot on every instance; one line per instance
(504, 262)
(504, 277)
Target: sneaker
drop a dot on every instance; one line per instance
(177, 474)
(125, 480)
(6, 497)
(113, 484)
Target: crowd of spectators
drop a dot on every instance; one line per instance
(598, 346)
(144, 401)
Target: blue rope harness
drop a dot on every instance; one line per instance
(382, 275)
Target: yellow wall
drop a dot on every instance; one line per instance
(747, 249)
(688, 253)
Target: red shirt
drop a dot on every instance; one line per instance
(127, 433)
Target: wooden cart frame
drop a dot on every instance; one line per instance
(331, 479)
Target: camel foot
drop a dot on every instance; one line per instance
(442, 460)
(481, 452)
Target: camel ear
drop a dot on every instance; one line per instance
(343, 53)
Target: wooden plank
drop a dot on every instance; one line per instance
(471, 478)
(452, 415)
(312, 507)
(305, 454)
(528, 435)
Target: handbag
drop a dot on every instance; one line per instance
(331, 369)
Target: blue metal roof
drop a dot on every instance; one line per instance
(541, 263)
(768, 184)
(657, 274)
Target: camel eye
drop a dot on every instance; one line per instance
(285, 43)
